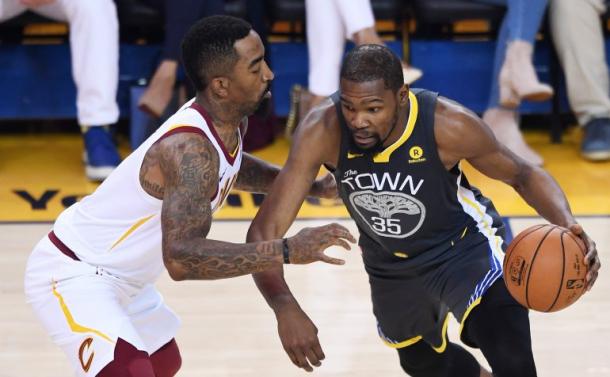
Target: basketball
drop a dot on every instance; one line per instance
(544, 268)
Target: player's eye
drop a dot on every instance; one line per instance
(348, 107)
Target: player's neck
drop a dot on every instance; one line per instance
(224, 117)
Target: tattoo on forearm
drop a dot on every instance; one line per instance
(255, 175)
(222, 260)
(191, 177)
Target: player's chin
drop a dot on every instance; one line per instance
(365, 143)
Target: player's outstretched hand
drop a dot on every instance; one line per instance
(591, 258)
(309, 244)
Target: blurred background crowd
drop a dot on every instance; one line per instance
(114, 68)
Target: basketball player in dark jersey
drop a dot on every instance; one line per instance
(431, 243)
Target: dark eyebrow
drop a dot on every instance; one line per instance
(368, 101)
(255, 61)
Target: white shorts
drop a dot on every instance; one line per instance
(85, 310)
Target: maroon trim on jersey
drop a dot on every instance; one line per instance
(191, 129)
(62, 246)
(180, 129)
(208, 119)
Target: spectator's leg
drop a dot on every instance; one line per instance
(578, 37)
(359, 21)
(518, 77)
(94, 44)
(504, 121)
(579, 40)
(325, 44)
(360, 27)
(10, 9)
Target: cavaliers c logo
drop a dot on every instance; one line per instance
(84, 346)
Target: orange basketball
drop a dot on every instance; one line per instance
(544, 268)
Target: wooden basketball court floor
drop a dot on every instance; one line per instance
(227, 328)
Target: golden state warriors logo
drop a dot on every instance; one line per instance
(389, 214)
(417, 155)
(83, 351)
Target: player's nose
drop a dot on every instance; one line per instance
(268, 73)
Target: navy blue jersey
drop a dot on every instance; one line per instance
(403, 199)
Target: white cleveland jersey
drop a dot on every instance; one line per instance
(118, 227)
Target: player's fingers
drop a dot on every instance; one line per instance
(592, 274)
(326, 259)
(292, 356)
(312, 357)
(591, 278)
(342, 243)
(302, 360)
(343, 232)
(591, 256)
(576, 229)
(317, 348)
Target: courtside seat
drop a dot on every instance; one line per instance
(294, 10)
(139, 21)
(448, 11)
(13, 30)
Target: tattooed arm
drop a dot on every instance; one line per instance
(460, 134)
(189, 164)
(256, 175)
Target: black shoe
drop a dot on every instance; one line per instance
(596, 141)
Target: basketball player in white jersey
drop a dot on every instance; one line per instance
(90, 281)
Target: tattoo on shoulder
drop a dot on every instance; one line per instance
(153, 188)
(190, 171)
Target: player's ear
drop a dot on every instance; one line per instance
(403, 95)
(220, 86)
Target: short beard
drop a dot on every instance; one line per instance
(250, 108)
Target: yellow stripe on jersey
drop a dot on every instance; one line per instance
(404, 343)
(72, 323)
(178, 126)
(415, 339)
(467, 313)
(443, 346)
(384, 156)
(486, 225)
(234, 153)
(131, 230)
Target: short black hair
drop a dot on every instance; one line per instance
(208, 48)
(372, 62)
